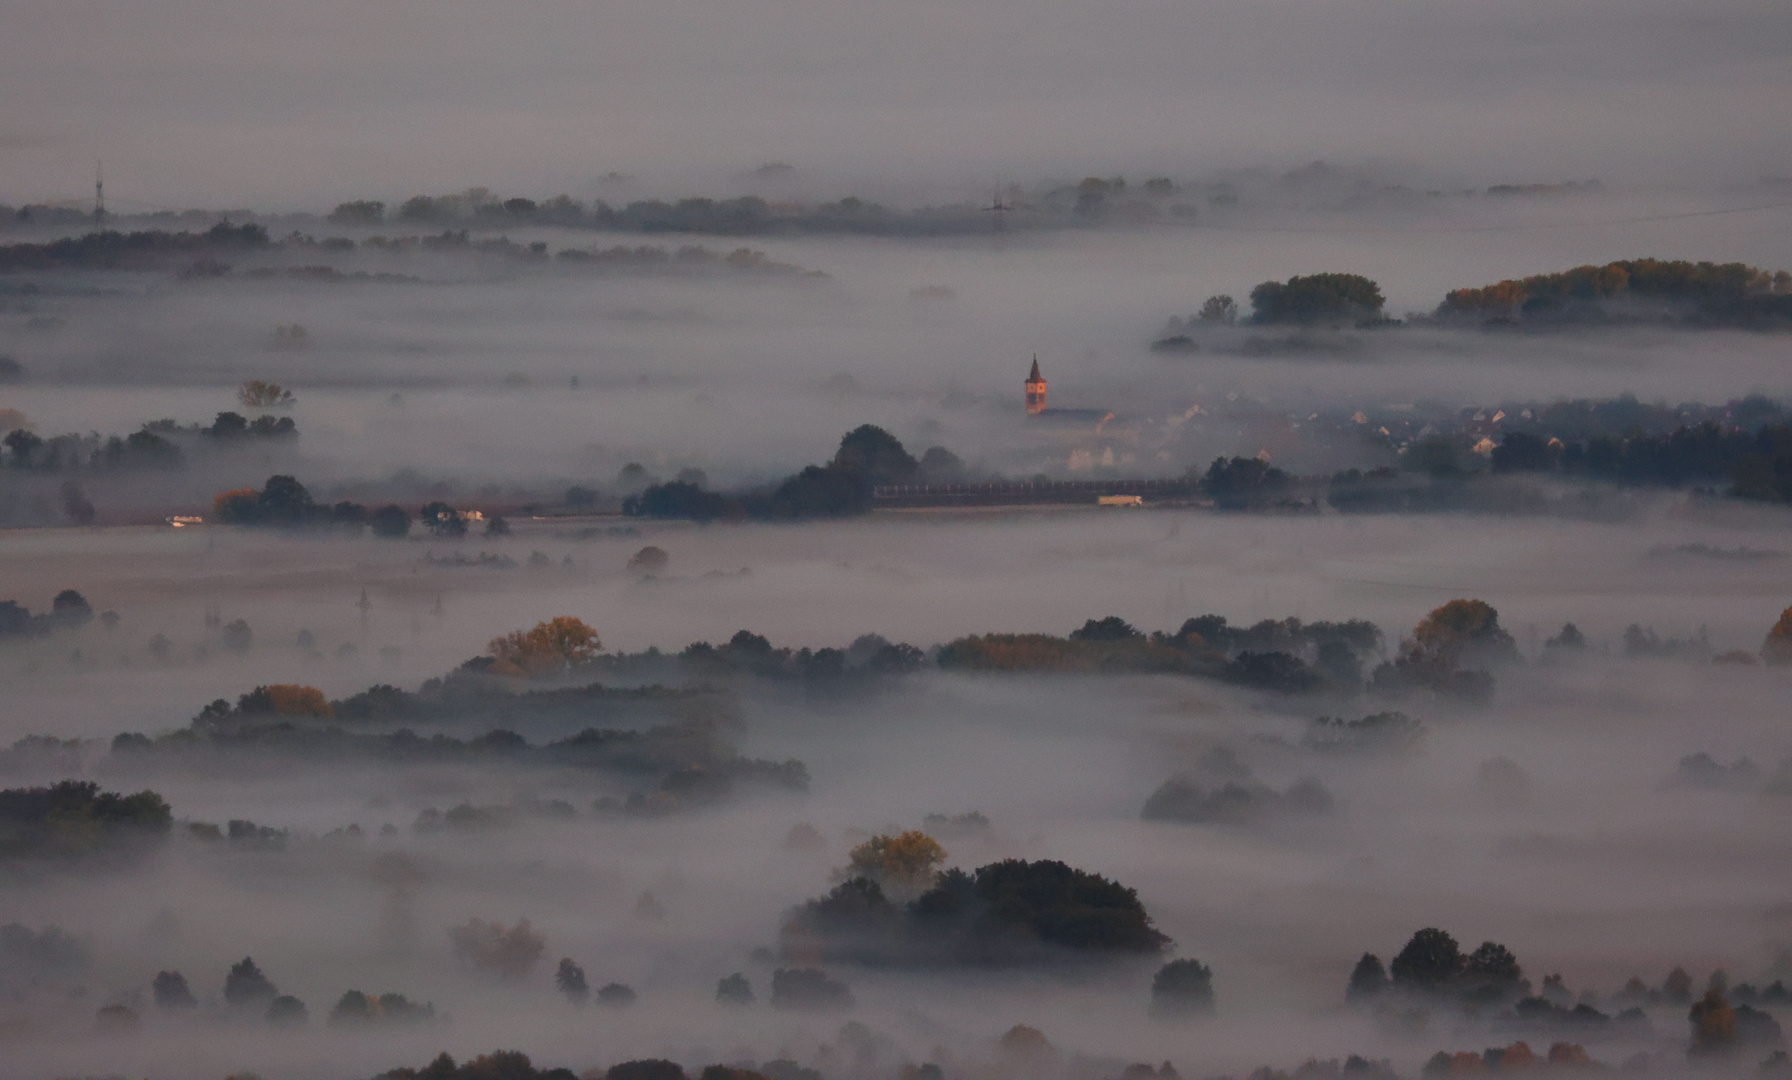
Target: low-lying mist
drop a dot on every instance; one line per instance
(1558, 820)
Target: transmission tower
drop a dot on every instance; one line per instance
(99, 194)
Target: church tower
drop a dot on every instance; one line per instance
(1035, 389)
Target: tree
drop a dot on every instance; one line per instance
(359, 212)
(228, 425)
(171, 991)
(70, 608)
(76, 506)
(1240, 483)
(24, 447)
(570, 978)
(1060, 905)
(899, 864)
(1430, 960)
(941, 466)
(75, 817)
(1182, 988)
(1318, 298)
(877, 455)
(1450, 650)
(284, 501)
(1465, 631)
(554, 645)
(287, 1011)
(1714, 1027)
(677, 499)
(353, 1007)
(649, 560)
(496, 526)
(1221, 309)
(391, 521)
(821, 492)
(262, 394)
(236, 636)
(1777, 648)
(1368, 979)
(247, 986)
(442, 519)
(616, 995)
(1493, 964)
(1112, 628)
(489, 946)
(286, 699)
(734, 990)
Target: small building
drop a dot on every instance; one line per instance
(1120, 500)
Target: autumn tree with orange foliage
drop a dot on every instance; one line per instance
(1777, 649)
(552, 646)
(1713, 1025)
(1450, 650)
(902, 864)
(238, 506)
(286, 699)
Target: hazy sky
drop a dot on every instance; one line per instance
(205, 102)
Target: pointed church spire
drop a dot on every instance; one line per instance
(1035, 389)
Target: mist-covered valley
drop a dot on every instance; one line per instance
(844, 542)
(1567, 816)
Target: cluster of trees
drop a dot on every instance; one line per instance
(569, 977)
(111, 250)
(1010, 912)
(1181, 989)
(1431, 963)
(1433, 967)
(513, 1065)
(248, 991)
(1330, 299)
(497, 1065)
(283, 502)
(687, 259)
(1757, 463)
(1240, 801)
(868, 457)
(693, 765)
(1451, 652)
(556, 646)
(1703, 292)
(1286, 656)
(159, 444)
(26, 956)
(1517, 1058)
(68, 610)
(1377, 732)
(26, 451)
(1245, 483)
(869, 656)
(510, 953)
(748, 215)
(75, 817)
